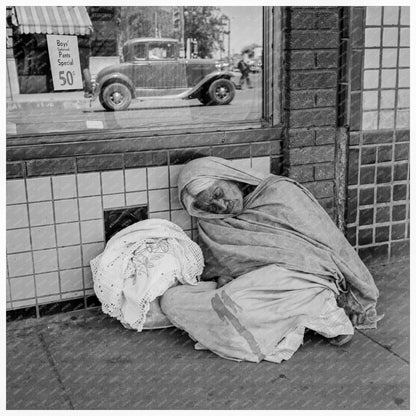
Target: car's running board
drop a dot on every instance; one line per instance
(182, 95)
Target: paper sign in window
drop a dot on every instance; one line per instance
(64, 59)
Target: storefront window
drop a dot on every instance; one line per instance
(73, 68)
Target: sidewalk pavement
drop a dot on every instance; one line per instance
(86, 360)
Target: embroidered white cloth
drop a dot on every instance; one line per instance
(140, 263)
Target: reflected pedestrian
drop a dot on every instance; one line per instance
(244, 67)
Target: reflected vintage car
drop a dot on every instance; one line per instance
(152, 67)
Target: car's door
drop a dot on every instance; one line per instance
(167, 72)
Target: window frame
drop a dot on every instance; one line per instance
(272, 108)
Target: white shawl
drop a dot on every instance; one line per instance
(139, 264)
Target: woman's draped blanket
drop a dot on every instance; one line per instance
(262, 315)
(292, 269)
(138, 265)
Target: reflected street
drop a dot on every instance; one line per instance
(148, 113)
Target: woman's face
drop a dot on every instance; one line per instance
(222, 197)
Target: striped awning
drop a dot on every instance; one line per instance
(57, 20)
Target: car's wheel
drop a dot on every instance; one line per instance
(115, 97)
(221, 92)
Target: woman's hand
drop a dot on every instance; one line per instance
(223, 280)
(357, 318)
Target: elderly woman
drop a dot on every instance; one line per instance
(281, 264)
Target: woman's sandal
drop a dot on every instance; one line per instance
(340, 340)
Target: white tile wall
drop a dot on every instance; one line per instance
(89, 184)
(64, 186)
(15, 191)
(52, 237)
(384, 76)
(45, 261)
(39, 189)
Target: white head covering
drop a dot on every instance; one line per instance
(199, 174)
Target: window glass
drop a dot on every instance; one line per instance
(76, 68)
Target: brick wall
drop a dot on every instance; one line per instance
(310, 98)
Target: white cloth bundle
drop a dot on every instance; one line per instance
(139, 264)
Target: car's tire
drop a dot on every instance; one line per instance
(115, 96)
(221, 92)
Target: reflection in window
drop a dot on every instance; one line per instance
(140, 67)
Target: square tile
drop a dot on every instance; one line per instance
(90, 251)
(370, 79)
(39, 189)
(182, 219)
(71, 280)
(404, 57)
(8, 297)
(47, 284)
(69, 257)
(174, 171)
(387, 98)
(388, 78)
(403, 119)
(391, 15)
(88, 281)
(386, 119)
(372, 58)
(18, 240)
(74, 295)
(112, 182)
(90, 208)
(164, 215)
(404, 78)
(390, 36)
(405, 37)
(136, 198)
(22, 288)
(136, 179)
(372, 37)
(370, 120)
(66, 210)
(242, 163)
(389, 58)
(43, 237)
(24, 303)
(64, 186)
(48, 299)
(15, 191)
(370, 100)
(92, 231)
(174, 199)
(373, 16)
(41, 213)
(113, 201)
(19, 264)
(405, 15)
(159, 200)
(45, 261)
(403, 98)
(89, 184)
(68, 234)
(158, 177)
(16, 216)
(261, 164)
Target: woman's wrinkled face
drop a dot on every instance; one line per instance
(222, 197)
